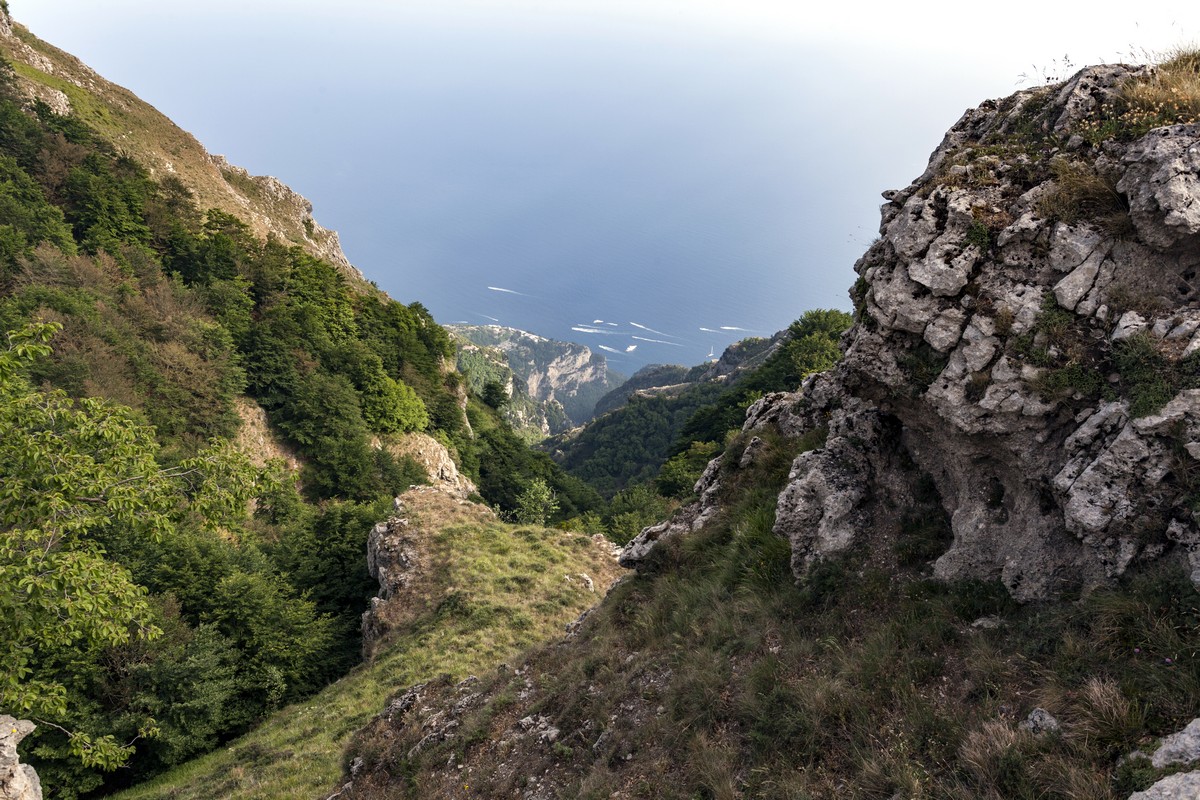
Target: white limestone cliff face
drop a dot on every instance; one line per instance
(992, 353)
(554, 385)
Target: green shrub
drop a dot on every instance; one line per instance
(1147, 377)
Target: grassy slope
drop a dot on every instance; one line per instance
(491, 591)
(713, 675)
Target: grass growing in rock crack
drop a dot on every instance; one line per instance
(1082, 193)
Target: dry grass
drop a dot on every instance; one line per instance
(1104, 717)
(1081, 193)
(1167, 95)
(1172, 93)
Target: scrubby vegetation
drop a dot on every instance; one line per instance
(166, 317)
(713, 674)
(665, 438)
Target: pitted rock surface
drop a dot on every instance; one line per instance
(1046, 486)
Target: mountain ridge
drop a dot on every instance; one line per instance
(66, 84)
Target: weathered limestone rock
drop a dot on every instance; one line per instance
(821, 509)
(392, 558)
(436, 460)
(1080, 251)
(1183, 786)
(1179, 748)
(690, 518)
(1131, 323)
(17, 781)
(1162, 181)
(945, 330)
(397, 555)
(1040, 722)
(987, 333)
(1089, 90)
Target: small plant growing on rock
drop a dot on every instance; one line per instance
(1147, 376)
(1004, 320)
(923, 365)
(979, 236)
(977, 386)
(1082, 193)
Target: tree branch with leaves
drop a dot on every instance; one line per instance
(69, 471)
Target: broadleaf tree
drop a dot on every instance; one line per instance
(71, 470)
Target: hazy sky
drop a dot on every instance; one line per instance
(702, 168)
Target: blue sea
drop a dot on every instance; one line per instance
(657, 192)
(674, 201)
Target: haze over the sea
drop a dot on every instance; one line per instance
(707, 169)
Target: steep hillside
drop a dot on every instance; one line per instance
(205, 413)
(672, 379)
(69, 87)
(959, 564)
(562, 379)
(459, 592)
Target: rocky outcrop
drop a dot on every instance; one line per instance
(258, 440)
(284, 212)
(997, 326)
(17, 781)
(1026, 324)
(1178, 748)
(563, 378)
(435, 459)
(398, 555)
(392, 560)
(691, 517)
(1182, 748)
